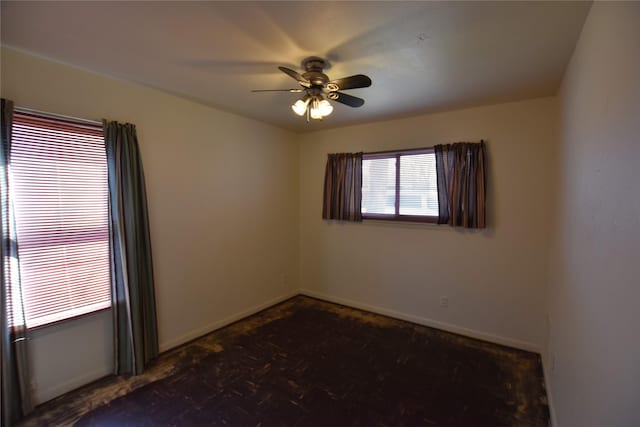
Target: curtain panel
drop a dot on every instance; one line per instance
(133, 295)
(461, 177)
(16, 399)
(343, 187)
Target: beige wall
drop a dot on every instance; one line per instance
(223, 204)
(495, 279)
(594, 294)
(236, 225)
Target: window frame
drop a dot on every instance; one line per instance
(79, 123)
(389, 154)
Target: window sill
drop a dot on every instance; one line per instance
(402, 218)
(67, 320)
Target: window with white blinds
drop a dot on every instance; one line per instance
(59, 188)
(400, 185)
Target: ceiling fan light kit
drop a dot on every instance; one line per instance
(314, 107)
(316, 85)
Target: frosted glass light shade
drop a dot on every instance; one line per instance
(324, 108)
(300, 107)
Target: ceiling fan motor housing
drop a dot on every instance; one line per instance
(314, 66)
(314, 63)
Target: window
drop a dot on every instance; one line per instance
(59, 188)
(400, 185)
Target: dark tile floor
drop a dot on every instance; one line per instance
(311, 363)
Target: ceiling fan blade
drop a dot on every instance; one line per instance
(343, 98)
(278, 90)
(295, 75)
(351, 82)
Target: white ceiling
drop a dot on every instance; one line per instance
(421, 56)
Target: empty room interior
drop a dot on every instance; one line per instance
(320, 213)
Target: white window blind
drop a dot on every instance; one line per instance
(379, 186)
(418, 185)
(400, 185)
(59, 187)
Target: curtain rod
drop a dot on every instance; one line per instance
(58, 116)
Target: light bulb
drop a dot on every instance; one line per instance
(324, 108)
(316, 113)
(300, 107)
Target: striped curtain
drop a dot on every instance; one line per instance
(343, 187)
(133, 297)
(461, 175)
(15, 390)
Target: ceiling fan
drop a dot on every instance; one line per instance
(316, 85)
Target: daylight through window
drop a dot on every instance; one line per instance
(400, 185)
(59, 187)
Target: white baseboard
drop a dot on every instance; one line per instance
(41, 396)
(523, 345)
(547, 384)
(223, 322)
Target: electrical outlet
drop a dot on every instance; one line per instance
(444, 302)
